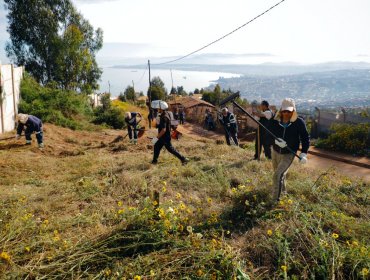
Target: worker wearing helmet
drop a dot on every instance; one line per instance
(164, 133)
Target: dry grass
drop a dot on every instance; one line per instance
(83, 208)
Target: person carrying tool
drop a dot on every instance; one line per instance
(164, 133)
(32, 124)
(228, 120)
(290, 131)
(132, 122)
(263, 139)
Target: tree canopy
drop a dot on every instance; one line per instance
(54, 43)
(157, 89)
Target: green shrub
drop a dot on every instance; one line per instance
(108, 114)
(63, 108)
(348, 138)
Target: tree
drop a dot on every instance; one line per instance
(130, 94)
(173, 91)
(157, 89)
(181, 91)
(54, 42)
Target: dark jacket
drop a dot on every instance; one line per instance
(132, 121)
(229, 122)
(33, 124)
(165, 122)
(294, 134)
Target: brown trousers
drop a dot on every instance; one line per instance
(280, 164)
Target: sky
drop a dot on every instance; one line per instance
(301, 31)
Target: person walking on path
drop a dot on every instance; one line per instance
(164, 134)
(291, 132)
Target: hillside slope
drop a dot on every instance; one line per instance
(85, 208)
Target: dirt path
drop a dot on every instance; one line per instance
(314, 162)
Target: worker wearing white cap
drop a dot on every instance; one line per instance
(291, 132)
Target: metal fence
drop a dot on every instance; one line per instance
(10, 81)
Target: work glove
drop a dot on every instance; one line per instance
(17, 136)
(154, 140)
(303, 158)
(281, 143)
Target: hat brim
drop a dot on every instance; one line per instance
(290, 109)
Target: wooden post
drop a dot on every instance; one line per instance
(258, 143)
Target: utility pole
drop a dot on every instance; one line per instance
(109, 86)
(150, 87)
(133, 85)
(171, 79)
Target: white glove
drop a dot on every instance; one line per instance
(154, 140)
(303, 158)
(281, 143)
(17, 136)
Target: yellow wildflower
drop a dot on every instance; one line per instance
(364, 271)
(152, 272)
(167, 224)
(209, 200)
(120, 211)
(180, 228)
(161, 213)
(5, 256)
(200, 272)
(269, 232)
(164, 189)
(119, 203)
(290, 201)
(178, 196)
(214, 276)
(284, 268)
(234, 190)
(355, 243)
(335, 235)
(108, 272)
(27, 248)
(155, 203)
(137, 277)
(182, 206)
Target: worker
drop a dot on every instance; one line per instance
(32, 124)
(228, 120)
(291, 131)
(182, 116)
(132, 119)
(263, 139)
(164, 133)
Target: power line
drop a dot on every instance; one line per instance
(226, 35)
(142, 76)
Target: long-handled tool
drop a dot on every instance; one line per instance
(232, 97)
(9, 138)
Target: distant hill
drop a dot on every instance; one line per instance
(350, 88)
(265, 69)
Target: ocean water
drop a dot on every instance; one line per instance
(119, 79)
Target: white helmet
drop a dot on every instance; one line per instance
(22, 118)
(159, 104)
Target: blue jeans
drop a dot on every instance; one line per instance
(39, 135)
